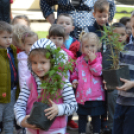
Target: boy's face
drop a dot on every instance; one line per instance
(5, 39)
(29, 41)
(132, 25)
(122, 32)
(66, 22)
(101, 18)
(40, 65)
(58, 41)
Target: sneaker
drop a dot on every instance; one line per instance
(72, 125)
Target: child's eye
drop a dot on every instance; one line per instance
(34, 62)
(29, 44)
(4, 37)
(43, 62)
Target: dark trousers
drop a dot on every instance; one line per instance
(123, 120)
(96, 122)
(5, 10)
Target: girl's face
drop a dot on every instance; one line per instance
(58, 41)
(29, 41)
(40, 65)
(89, 45)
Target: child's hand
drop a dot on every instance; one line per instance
(25, 124)
(52, 111)
(91, 55)
(74, 84)
(104, 82)
(127, 84)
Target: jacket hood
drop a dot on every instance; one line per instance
(44, 44)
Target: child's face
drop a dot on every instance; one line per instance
(29, 41)
(128, 28)
(58, 41)
(101, 18)
(40, 65)
(21, 22)
(89, 45)
(132, 25)
(5, 39)
(122, 32)
(66, 22)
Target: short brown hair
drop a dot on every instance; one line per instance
(28, 34)
(57, 30)
(4, 26)
(101, 6)
(66, 15)
(23, 17)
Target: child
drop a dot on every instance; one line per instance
(40, 65)
(124, 117)
(101, 14)
(70, 43)
(57, 36)
(28, 39)
(126, 21)
(8, 77)
(18, 31)
(87, 78)
(22, 20)
(121, 30)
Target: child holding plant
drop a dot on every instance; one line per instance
(87, 80)
(124, 117)
(41, 60)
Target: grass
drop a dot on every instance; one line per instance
(42, 34)
(120, 15)
(128, 9)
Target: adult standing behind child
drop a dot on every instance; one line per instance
(40, 64)
(87, 80)
(8, 77)
(81, 12)
(101, 14)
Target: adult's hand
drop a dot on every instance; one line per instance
(51, 18)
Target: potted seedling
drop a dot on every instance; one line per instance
(51, 89)
(112, 70)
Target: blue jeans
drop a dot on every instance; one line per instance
(123, 120)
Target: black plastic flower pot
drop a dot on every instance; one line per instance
(112, 77)
(38, 118)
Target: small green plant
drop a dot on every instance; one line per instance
(111, 39)
(54, 81)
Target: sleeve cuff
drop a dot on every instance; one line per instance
(20, 120)
(60, 110)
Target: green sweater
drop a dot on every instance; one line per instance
(5, 75)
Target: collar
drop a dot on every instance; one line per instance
(98, 26)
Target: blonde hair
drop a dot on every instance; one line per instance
(18, 31)
(28, 34)
(89, 36)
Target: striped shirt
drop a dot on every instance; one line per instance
(68, 107)
(127, 58)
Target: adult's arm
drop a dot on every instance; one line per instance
(47, 11)
(112, 9)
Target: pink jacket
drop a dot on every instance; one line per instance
(59, 122)
(88, 75)
(24, 73)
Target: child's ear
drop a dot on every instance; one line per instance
(94, 14)
(72, 28)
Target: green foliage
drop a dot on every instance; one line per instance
(54, 79)
(112, 40)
